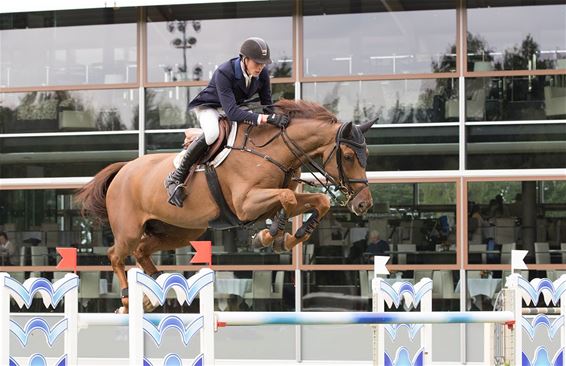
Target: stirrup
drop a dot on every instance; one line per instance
(178, 196)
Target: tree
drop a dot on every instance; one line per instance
(281, 69)
(521, 57)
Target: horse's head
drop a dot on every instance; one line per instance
(344, 157)
(346, 162)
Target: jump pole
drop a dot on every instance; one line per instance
(329, 318)
(241, 318)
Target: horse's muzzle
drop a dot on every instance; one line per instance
(361, 201)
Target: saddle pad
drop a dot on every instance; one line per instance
(220, 157)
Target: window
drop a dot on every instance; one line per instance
(78, 47)
(187, 43)
(375, 38)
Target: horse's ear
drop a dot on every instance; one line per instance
(347, 129)
(366, 126)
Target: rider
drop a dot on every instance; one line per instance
(232, 83)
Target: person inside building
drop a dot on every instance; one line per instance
(498, 207)
(232, 84)
(376, 245)
(7, 250)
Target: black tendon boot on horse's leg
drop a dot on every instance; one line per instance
(175, 181)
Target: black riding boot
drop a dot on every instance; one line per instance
(174, 181)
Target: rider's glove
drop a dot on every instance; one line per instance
(279, 120)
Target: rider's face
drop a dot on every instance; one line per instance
(253, 68)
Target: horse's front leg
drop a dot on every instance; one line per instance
(260, 201)
(317, 204)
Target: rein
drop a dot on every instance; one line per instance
(343, 184)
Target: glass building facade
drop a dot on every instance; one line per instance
(467, 159)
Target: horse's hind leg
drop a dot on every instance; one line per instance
(117, 255)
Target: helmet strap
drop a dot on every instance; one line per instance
(245, 66)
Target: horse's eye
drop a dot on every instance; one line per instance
(349, 157)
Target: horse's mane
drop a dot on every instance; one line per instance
(304, 109)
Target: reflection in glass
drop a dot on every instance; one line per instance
(82, 110)
(482, 288)
(414, 223)
(167, 108)
(254, 291)
(63, 156)
(415, 148)
(48, 219)
(506, 38)
(184, 43)
(516, 98)
(527, 215)
(393, 101)
(68, 47)
(351, 290)
(168, 142)
(373, 39)
(282, 91)
(516, 146)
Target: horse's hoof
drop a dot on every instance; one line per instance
(148, 307)
(121, 310)
(262, 239)
(256, 241)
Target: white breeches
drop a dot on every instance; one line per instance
(208, 119)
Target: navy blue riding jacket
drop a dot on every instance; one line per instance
(227, 89)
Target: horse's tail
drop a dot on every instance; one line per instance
(92, 196)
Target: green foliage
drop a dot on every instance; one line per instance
(437, 193)
(281, 70)
(398, 193)
(554, 191)
(483, 192)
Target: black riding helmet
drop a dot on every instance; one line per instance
(256, 49)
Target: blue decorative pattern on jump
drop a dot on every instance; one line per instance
(38, 360)
(173, 322)
(541, 319)
(530, 292)
(38, 323)
(412, 329)
(51, 294)
(392, 295)
(186, 291)
(174, 360)
(551, 291)
(23, 294)
(402, 358)
(542, 358)
(412, 294)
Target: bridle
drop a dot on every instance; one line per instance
(343, 184)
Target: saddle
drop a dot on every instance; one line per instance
(193, 133)
(227, 219)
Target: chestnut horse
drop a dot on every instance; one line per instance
(256, 180)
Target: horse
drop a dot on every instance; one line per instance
(257, 181)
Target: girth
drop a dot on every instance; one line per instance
(226, 218)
